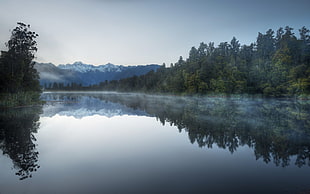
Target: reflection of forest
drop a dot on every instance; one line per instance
(17, 140)
(275, 129)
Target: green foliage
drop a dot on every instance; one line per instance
(277, 64)
(17, 73)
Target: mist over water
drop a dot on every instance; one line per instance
(226, 122)
(138, 143)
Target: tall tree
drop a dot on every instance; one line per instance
(17, 67)
(202, 50)
(234, 46)
(193, 55)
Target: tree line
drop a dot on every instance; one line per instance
(277, 64)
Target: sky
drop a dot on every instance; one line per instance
(139, 32)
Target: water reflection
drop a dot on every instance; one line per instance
(17, 140)
(277, 130)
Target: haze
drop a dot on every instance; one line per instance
(135, 32)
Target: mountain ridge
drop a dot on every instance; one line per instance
(87, 74)
(83, 68)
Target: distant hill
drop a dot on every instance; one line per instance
(87, 74)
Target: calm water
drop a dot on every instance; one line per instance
(135, 143)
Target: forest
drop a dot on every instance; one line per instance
(276, 65)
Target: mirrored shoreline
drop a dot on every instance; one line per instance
(275, 129)
(138, 143)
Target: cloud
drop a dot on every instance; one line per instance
(50, 76)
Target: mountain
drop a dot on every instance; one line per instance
(87, 74)
(84, 68)
(84, 106)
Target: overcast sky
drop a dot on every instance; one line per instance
(132, 32)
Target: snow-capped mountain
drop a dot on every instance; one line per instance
(87, 74)
(80, 106)
(83, 68)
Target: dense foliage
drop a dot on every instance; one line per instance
(277, 64)
(18, 77)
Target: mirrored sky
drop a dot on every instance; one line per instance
(133, 32)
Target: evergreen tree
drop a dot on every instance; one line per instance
(17, 68)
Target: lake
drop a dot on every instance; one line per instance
(136, 143)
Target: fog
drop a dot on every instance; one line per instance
(229, 123)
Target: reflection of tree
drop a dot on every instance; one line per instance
(276, 130)
(16, 138)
